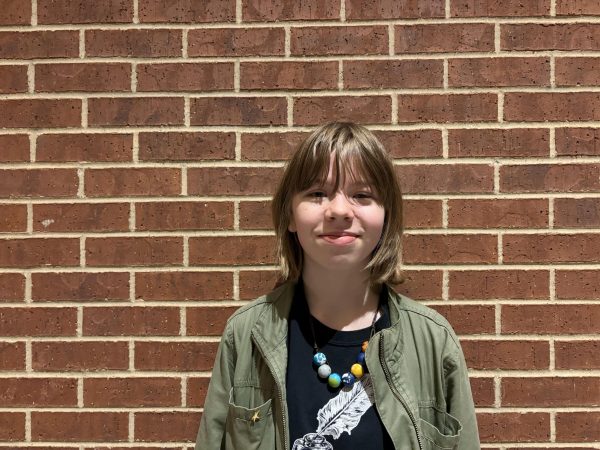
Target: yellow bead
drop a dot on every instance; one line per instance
(365, 345)
(357, 370)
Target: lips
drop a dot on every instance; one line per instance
(339, 238)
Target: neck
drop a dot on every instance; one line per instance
(340, 300)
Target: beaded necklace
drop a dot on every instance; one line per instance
(357, 369)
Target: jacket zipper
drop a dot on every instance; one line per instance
(388, 378)
(279, 394)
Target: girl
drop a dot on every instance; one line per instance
(334, 358)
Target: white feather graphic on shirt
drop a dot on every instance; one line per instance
(343, 412)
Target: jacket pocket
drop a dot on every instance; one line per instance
(249, 424)
(440, 430)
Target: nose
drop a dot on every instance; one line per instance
(339, 207)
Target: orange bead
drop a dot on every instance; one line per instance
(365, 345)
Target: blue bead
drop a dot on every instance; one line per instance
(334, 380)
(319, 359)
(361, 358)
(348, 379)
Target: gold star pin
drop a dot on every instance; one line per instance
(255, 417)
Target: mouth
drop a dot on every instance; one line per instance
(339, 238)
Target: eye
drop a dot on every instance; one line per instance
(317, 194)
(363, 195)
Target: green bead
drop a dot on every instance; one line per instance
(334, 380)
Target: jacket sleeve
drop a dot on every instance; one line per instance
(459, 400)
(211, 435)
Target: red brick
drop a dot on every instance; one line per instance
(393, 74)
(15, 183)
(134, 251)
(578, 426)
(508, 355)
(80, 286)
(15, 12)
(421, 284)
(578, 284)
(555, 106)
(184, 216)
(12, 356)
(84, 147)
(255, 283)
(40, 113)
(187, 11)
(12, 287)
(14, 148)
(12, 426)
(88, 77)
(582, 71)
(368, 109)
(444, 37)
(551, 36)
(13, 79)
(39, 44)
(270, 146)
(207, 321)
(38, 252)
(476, 213)
(147, 43)
(294, 75)
(255, 216)
(551, 248)
(435, 179)
(390, 9)
(499, 284)
(422, 214)
(577, 212)
(80, 356)
(494, 8)
(38, 392)
(236, 42)
(79, 426)
(166, 426)
(233, 180)
(550, 178)
(239, 111)
(68, 12)
(132, 181)
(501, 72)
(577, 7)
(178, 286)
(514, 427)
(578, 141)
(175, 356)
(577, 354)
(483, 391)
(258, 11)
(131, 392)
(185, 77)
(135, 111)
(85, 217)
(411, 143)
(450, 249)
(551, 319)
(38, 321)
(195, 146)
(13, 218)
(510, 142)
(469, 319)
(339, 40)
(550, 392)
(447, 108)
(196, 391)
(233, 250)
(130, 321)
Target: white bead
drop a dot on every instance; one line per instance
(324, 371)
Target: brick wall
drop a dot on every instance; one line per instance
(140, 144)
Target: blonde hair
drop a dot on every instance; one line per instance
(357, 152)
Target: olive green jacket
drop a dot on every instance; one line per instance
(420, 380)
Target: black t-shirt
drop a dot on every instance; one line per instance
(347, 416)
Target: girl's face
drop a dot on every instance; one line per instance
(337, 230)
